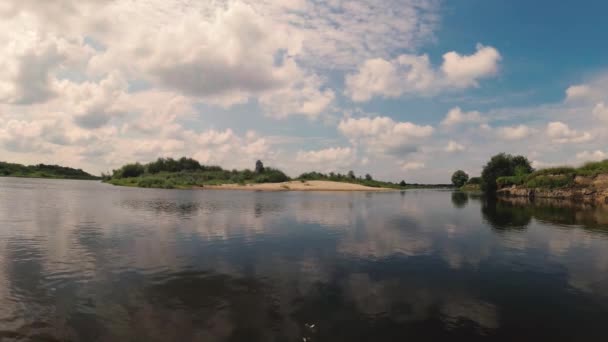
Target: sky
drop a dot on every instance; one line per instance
(400, 89)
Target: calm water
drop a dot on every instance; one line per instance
(85, 261)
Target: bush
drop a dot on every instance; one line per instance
(505, 181)
(459, 178)
(474, 180)
(503, 165)
(129, 171)
(550, 181)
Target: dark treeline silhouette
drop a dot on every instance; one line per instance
(42, 171)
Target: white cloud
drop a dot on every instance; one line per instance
(332, 158)
(414, 75)
(456, 116)
(592, 91)
(596, 155)
(341, 34)
(559, 132)
(515, 132)
(600, 111)
(578, 92)
(23, 136)
(454, 147)
(464, 71)
(305, 96)
(384, 135)
(94, 104)
(409, 166)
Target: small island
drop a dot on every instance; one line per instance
(187, 173)
(43, 171)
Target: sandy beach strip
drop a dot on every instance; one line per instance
(297, 186)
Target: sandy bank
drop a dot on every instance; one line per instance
(298, 186)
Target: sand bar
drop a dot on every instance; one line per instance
(298, 186)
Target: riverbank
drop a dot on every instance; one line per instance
(43, 171)
(297, 186)
(584, 189)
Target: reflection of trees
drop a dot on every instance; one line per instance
(165, 206)
(460, 199)
(505, 216)
(562, 212)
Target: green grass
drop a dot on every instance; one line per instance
(593, 169)
(555, 177)
(471, 188)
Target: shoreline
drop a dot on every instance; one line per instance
(587, 190)
(297, 186)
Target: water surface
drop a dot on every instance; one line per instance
(84, 261)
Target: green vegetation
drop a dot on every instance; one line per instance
(168, 173)
(593, 169)
(42, 171)
(555, 177)
(503, 165)
(504, 170)
(368, 180)
(459, 178)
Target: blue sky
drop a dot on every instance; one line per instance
(402, 89)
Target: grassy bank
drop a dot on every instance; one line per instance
(43, 171)
(367, 180)
(187, 173)
(556, 177)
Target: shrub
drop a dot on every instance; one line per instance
(550, 181)
(502, 165)
(130, 171)
(474, 180)
(459, 178)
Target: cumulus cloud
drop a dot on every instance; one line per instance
(600, 111)
(592, 91)
(454, 147)
(561, 133)
(456, 116)
(332, 158)
(384, 135)
(94, 104)
(515, 132)
(596, 155)
(414, 75)
(23, 136)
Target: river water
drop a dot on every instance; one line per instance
(85, 261)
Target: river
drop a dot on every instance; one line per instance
(85, 261)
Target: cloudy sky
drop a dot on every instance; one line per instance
(402, 89)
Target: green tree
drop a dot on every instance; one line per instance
(351, 174)
(130, 170)
(259, 167)
(502, 165)
(368, 177)
(402, 184)
(459, 178)
(474, 180)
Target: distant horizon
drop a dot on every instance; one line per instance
(411, 89)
